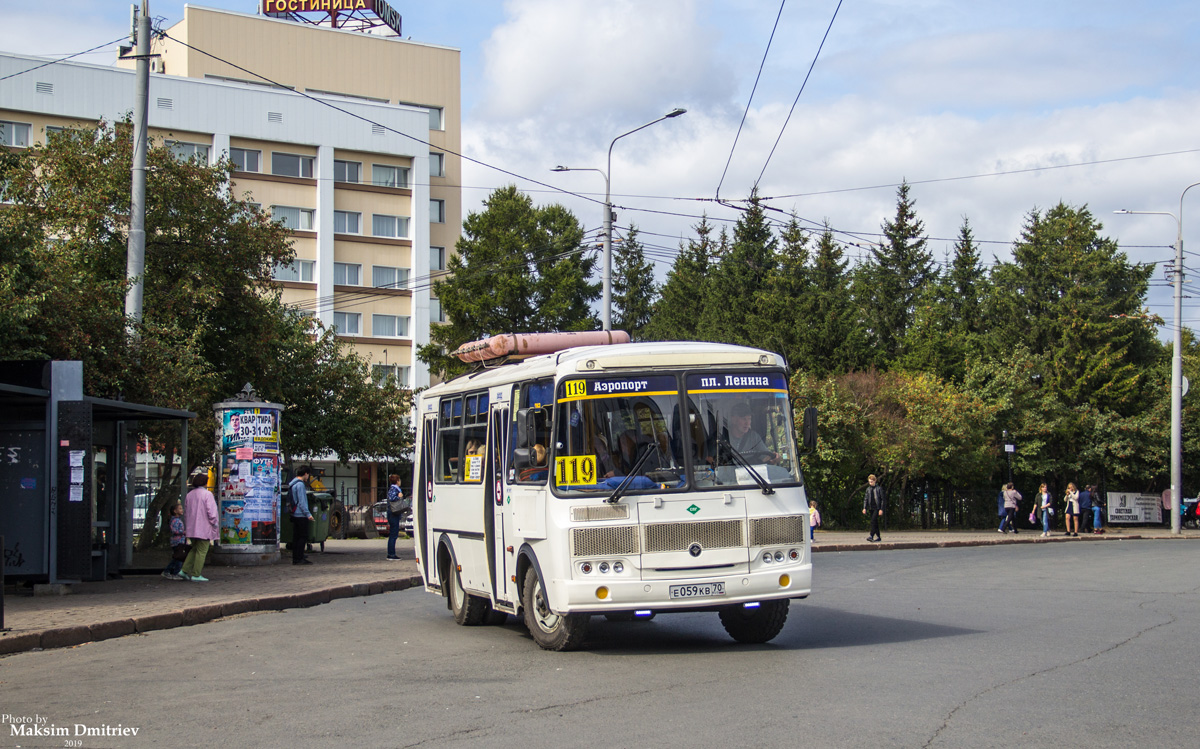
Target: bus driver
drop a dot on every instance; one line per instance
(745, 440)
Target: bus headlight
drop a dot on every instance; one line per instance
(767, 557)
(618, 567)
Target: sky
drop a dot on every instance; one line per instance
(989, 109)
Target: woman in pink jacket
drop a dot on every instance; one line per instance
(202, 526)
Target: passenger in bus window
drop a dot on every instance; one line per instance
(604, 461)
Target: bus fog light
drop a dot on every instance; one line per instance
(784, 581)
(604, 567)
(779, 556)
(602, 592)
(767, 557)
(586, 567)
(618, 567)
(793, 555)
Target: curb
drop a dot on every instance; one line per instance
(904, 545)
(65, 637)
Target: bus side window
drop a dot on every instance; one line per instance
(536, 398)
(449, 440)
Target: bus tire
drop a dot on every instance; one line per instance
(469, 610)
(494, 617)
(755, 626)
(549, 630)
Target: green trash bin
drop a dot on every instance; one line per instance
(320, 506)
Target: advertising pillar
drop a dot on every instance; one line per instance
(247, 479)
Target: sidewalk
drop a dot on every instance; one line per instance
(354, 567)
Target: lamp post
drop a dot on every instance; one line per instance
(1176, 363)
(606, 301)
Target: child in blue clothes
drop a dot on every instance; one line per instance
(179, 544)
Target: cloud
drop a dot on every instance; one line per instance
(585, 60)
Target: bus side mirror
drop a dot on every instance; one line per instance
(528, 421)
(810, 429)
(522, 458)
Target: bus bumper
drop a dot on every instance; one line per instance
(610, 594)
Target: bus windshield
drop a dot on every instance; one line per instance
(632, 430)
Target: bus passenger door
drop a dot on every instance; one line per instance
(423, 492)
(497, 528)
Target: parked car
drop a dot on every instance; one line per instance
(379, 513)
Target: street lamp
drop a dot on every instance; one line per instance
(1176, 363)
(606, 301)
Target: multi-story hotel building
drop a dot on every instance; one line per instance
(369, 187)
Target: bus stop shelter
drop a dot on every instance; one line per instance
(66, 460)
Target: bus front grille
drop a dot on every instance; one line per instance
(780, 530)
(584, 513)
(608, 540)
(714, 534)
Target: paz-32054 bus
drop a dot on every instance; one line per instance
(621, 480)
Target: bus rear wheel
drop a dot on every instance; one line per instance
(549, 630)
(757, 625)
(468, 610)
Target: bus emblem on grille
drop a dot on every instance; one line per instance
(695, 550)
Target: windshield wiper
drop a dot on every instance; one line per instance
(741, 461)
(633, 473)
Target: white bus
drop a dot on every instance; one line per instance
(622, 480)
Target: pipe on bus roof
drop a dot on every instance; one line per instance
(532, 344)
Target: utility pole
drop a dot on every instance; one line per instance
(135, 268)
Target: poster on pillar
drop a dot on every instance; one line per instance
(249, 481)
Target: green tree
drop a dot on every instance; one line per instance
(834, 341)
(633, 288)
(683, 298)
(1065, 296)
(212, 316)
(518, 268)
(782, 304)
(891, 281)
(734, 280)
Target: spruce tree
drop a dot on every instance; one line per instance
(681, 303)
(892, 280)
(736, 279)
(633, 288)
(783, 302)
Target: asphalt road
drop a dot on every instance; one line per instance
(1083, 644)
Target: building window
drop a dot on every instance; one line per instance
(389, 176)
(437, 165)
(347, 171)
(347, 274)
(297, 270)
(290, 165)
(296, 219)
(389, 326)
(346, 323)
(389, 226)
(347, 222)
(437, 258)
(245, 160)
(435, 310)
(14, 134)
(398, 374)
(386, 277)
(437, 211)
(436, 121)
(188, 151)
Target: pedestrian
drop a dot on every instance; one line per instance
(1166, 507)
(1097, 510)
(397, 505)
(1002, 511)
(1012, 499)
(1045, 507)
(301, 517)
(874, 503)
(814, 518)
(201, 526)
(1072, 510)
(1085, 503)
(179, 544)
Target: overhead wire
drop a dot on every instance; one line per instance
(63, 59)
(795, 101)
(750, 100)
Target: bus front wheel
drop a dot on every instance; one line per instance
(549, 630)
(755, 625)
